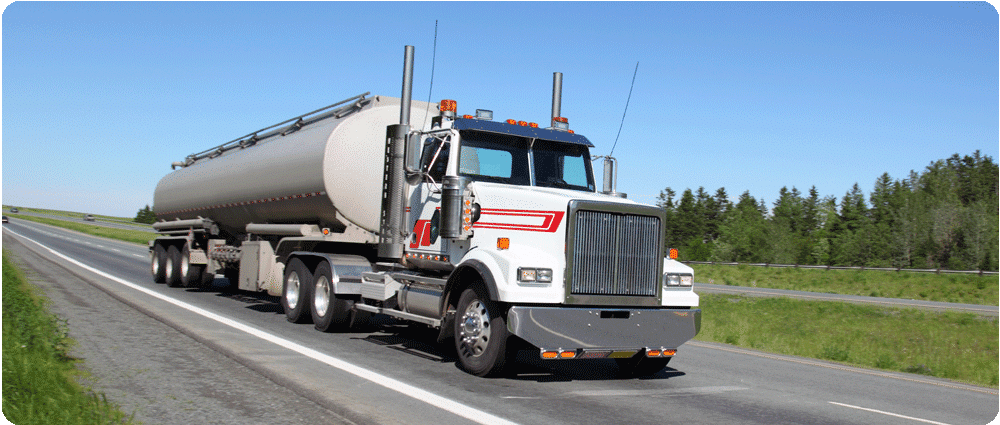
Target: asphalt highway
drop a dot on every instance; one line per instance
(175, 355)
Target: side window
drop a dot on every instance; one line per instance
(434, 158)
(482, 162)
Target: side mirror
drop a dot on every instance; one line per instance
(412, 161)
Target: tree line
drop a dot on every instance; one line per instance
(943, 217)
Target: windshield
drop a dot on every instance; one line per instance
(501, 158)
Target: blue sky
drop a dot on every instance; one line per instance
(100, 98)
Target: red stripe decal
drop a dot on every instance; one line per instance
(549, 220)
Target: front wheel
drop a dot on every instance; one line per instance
(480, 334)
(330, 312)
(296, 292)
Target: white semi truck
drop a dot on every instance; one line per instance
(493, 232)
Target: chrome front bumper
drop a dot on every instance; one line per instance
(593, 328)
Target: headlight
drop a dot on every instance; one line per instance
(672, 279)
(528, 274)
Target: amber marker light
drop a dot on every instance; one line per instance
(449, 105)
(674, 253)
(550, 354)
(503, 243)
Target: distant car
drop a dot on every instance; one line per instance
(4, 219)
(89, 217)
(13, 210)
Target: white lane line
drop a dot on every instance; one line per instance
(845, 368)
(452, 406)
(889, 413)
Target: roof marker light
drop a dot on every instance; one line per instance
(484, 114)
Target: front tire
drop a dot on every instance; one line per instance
(480, 334)
(296, 292)
(330, 312)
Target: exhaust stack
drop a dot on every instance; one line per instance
(556, 97)
(392, 227)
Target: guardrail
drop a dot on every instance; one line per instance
(887, 269)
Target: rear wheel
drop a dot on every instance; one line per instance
(480, 334)
(172, 267)
(191, 274)
(297, 292)
(330, 312)
(158, 264)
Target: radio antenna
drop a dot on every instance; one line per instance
(626, 108)
(433, 58)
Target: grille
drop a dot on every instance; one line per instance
(615, 254)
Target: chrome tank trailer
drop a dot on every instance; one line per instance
(325, 168)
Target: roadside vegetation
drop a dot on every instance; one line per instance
(954, 288)
(944, 216)
(957, 346)
(39, 384)
(134, 236)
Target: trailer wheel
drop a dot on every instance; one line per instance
(296, 292)
(158, 263)
(640, 365)
(191, 274)
(330, 312)
(480, 333)
(172, 267)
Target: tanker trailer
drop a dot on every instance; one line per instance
(492, 232)
(317, 177)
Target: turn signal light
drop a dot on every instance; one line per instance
(550, 354)
(503, 243)
(673, 253)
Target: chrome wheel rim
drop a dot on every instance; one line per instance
(170, 268)
(185, 265)
(155, 265)
(475, 328)
(292, 290)
(321, 297)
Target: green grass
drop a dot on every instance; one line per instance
(134, 236)
(956, 288)
(958, 346)
(38, 372)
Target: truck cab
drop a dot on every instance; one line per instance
(514, 209)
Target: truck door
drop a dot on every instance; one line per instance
(426, 248)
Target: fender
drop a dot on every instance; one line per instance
(461, 271)
(347, 269)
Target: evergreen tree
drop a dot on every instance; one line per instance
(145, 216)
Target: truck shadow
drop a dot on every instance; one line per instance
(421, 341)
